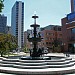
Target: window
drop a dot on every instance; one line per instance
(59, 29)
(47, 38)
(49, 42)
(49, 33)
(60, 34)
(71, 16)
(73, 30)
(46, 33)
(50, 38)
(52, 34)
(74, 5)
(46, 43)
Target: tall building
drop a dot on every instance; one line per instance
(72, 5)
(17, 22)
(3, 23)
(68, 30)
(68, 33)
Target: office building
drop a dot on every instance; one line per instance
(68, 33)
(68, 30)
(72, 5)
(17, 22)
(3, 23)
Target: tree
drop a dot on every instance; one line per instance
(1, 5)
(25, 49)
(12, 42)
(57, 45)
(7, 43)
(2, 44)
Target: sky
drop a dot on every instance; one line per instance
(50, 12)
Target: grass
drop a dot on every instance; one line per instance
(10, 54)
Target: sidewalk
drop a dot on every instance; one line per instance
(60, 54)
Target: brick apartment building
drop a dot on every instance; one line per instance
(49, 34)
(68, 33)
(68, 30)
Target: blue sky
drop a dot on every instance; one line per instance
(49, 11)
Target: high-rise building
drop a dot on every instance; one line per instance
(72, 5)
(3, 23)
(17, 22)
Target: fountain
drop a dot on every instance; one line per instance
(35, 39)
(36, 53)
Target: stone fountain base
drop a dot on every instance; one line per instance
(56, 65)
(36, 58)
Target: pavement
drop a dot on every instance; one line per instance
(5, 74)
(60, 54)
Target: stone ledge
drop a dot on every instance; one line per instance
(38, 71)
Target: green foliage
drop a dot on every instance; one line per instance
(25, 49)
(11, 42)
(7, 43)
(57, 46)
(2, 44)
(1, 5)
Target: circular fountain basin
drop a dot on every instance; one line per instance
(35, 58)
(46, 65)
